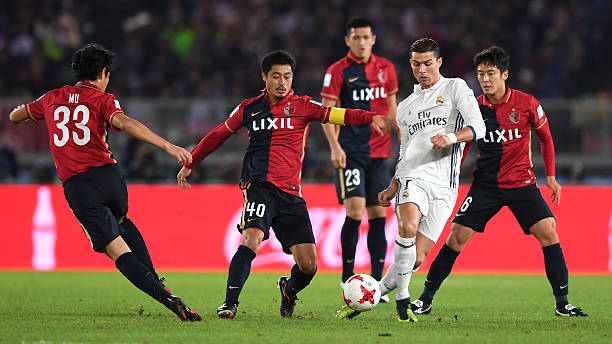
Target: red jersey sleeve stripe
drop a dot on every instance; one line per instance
(110, 118)
(329, 96)
(541, 125)
(228, 128)
(27, 107)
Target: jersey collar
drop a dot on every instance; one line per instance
(88, 85)
(417, 87)
(505, 100)
(280, 101)
(354, 58)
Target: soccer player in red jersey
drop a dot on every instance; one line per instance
(361, 80)
(78, 118)
(504, 177)
(278, 122)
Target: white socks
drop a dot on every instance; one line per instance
(388, 283)
(405, 257)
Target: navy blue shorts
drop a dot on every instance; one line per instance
(98, 198)
(362, 177)
(267, 206)
(482, 203)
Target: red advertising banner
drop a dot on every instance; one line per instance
(196, 230)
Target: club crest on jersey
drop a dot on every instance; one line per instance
(289, 110)
(440, 100)
(382, 76)
(515, 117)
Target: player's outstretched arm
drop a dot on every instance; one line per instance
(19, 114)
(382, 124)
(141, 132)
(338, 156)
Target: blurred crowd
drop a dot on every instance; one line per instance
(211, 49)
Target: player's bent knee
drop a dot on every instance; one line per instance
(459, 237)
(252, 238)
(309, 269)
(407, 229)
(545, 231)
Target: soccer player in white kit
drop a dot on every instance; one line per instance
(435, 121)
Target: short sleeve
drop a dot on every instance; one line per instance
(234, 122)
(391, 84)
(109, 108)
(332, 83)
(36, 109)
(537, 116)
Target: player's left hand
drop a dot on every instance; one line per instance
(381, 124)
(440, 141)
(551, 182)
(181, 178)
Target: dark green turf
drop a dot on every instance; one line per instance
(87, 307)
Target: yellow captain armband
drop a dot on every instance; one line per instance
(336, 115)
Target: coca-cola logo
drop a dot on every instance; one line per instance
(327, 225)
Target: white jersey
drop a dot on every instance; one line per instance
(446, 107)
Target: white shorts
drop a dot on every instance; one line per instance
(435, 202)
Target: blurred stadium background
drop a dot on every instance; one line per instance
(182, 66)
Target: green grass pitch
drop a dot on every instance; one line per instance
(103, 307)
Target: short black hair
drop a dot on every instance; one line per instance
(358, 22)
(425, 45)
(90, 60)
(277, 57)
(494, 56)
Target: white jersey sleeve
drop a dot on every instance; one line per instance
(468, 108)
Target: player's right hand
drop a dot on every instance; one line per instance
(382, 124)
(181, 154)
(338, 157)
(386, 196)
(181, 178)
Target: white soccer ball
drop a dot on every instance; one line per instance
(361, 292)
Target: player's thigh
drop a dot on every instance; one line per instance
(377, 178)
(259, 208)
(349, 181)
(478, 207)
(116, 188)
(96, 220)
(292, 225)
(412, 203)
(440, 209)
(528, 206)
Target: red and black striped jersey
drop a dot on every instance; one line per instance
(358, 85)
(505, 151)
(277, 136)
(77, 118)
